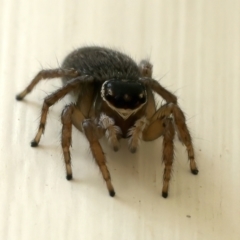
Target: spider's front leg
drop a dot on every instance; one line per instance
(91, 131)
(145, 68)
(160, 124)
(182, 129)
(168, 154)
(183, 132)
(70, 115)
(157, 127)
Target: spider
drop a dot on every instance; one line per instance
(113, 96)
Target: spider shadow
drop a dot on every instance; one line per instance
(141, 174)
(133, 174)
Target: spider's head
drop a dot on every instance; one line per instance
(125, 97)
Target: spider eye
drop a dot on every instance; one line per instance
(109, 92)
(127, 97)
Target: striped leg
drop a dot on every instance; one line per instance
(90, 130)
(182, 129)
(66, 138)
(184, 136)
(168, 151)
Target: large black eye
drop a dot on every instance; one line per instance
(125, 94)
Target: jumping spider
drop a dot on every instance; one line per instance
(113, 97)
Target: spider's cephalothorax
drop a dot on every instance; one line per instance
(125, 97)
(115, 99)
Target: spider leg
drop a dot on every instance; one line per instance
(156, 87)
(161, 124)
(66, 138)
(168, 152)
(72, 116)
(44, 74)
(180, 122)
(90, 130)
(154, 130)
(52, 99)
(185, 136)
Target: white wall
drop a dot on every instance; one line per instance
(195, 45)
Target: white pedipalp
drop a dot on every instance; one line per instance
(112, 131)
(135, 133)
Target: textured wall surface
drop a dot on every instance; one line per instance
(195, 49)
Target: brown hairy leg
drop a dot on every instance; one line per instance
(52, 99)
(160, 124)
(91, 132)
(184, 135)
(66, 138)
(145, 68)
(44, 74)
(156, 87)
(168, 152)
